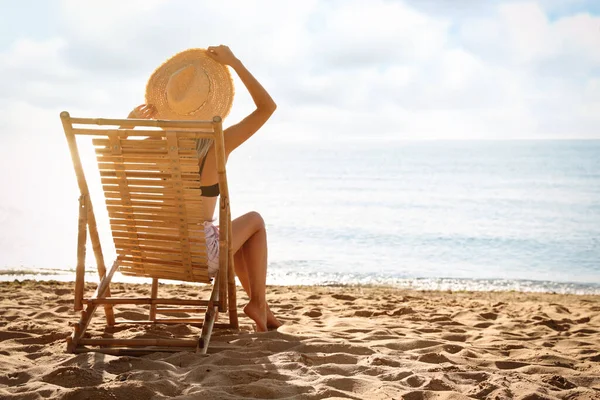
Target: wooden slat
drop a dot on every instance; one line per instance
(168, 277)
(149, 175)
(142, 245)
(151, 183)
(140, 144)
(142, 255)
(191, 196)
(198, 248)
(130, 247)
(146, 159)
(180, 310)
(162, 216)
(154, 134)
(148, 228)
(149, 208)
(158, 215)
(139, 342)
(188, 168)
(197, 238)
(151, 202)
(158, 191)
(143, 219)
(185, 143)
(163, 271)
(158, 209)
(167, 212)
(158, 123)
(168, 249)
(128, 235)
(151, 152)
(149, 272)
(165, 265)
(175, 244)
(146, 300)
(134, 260)
(196, 241)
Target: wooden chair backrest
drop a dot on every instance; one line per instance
(151, 184)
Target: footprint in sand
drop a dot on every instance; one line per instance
(15, 378)
(489, 315)
(455, 337)
(510, 364)
(44, 339)
(434, 358)
(343, 297)
(6, 335)
(70, 377)
(395, 376)
(438, 385)
(452, 348)
(559, 382)
(382, 360)
(364, 313)
(314, 313)
(482, 390)
(414, 381)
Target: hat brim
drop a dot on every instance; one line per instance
(220, 94)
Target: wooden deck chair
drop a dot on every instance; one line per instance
(153, 202)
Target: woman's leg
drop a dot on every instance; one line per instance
(250, 237)
(241, 271)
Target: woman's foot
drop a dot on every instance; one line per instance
(272, 321)
(258, 314)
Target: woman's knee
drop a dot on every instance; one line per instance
(245, 226)
(256, 220)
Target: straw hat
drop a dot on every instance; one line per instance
(190, 85)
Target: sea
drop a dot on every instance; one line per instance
(461, 215)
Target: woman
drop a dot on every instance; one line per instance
(248, 231)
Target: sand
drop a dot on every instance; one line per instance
(337, 342)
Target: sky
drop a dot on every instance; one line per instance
(339, 70)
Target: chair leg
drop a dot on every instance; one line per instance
(212, 313)
(207, 328)
(153, 296)
(81, 244)
(87, 314)
(231, 298)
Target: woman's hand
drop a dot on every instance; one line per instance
(143, 111)
(222, 54)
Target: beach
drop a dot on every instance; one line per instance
(358, 342)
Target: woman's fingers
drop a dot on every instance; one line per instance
(144, 111)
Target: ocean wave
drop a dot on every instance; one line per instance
(296, 277)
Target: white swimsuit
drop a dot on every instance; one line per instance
(212, 247)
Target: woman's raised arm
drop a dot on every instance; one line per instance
(265, 106)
